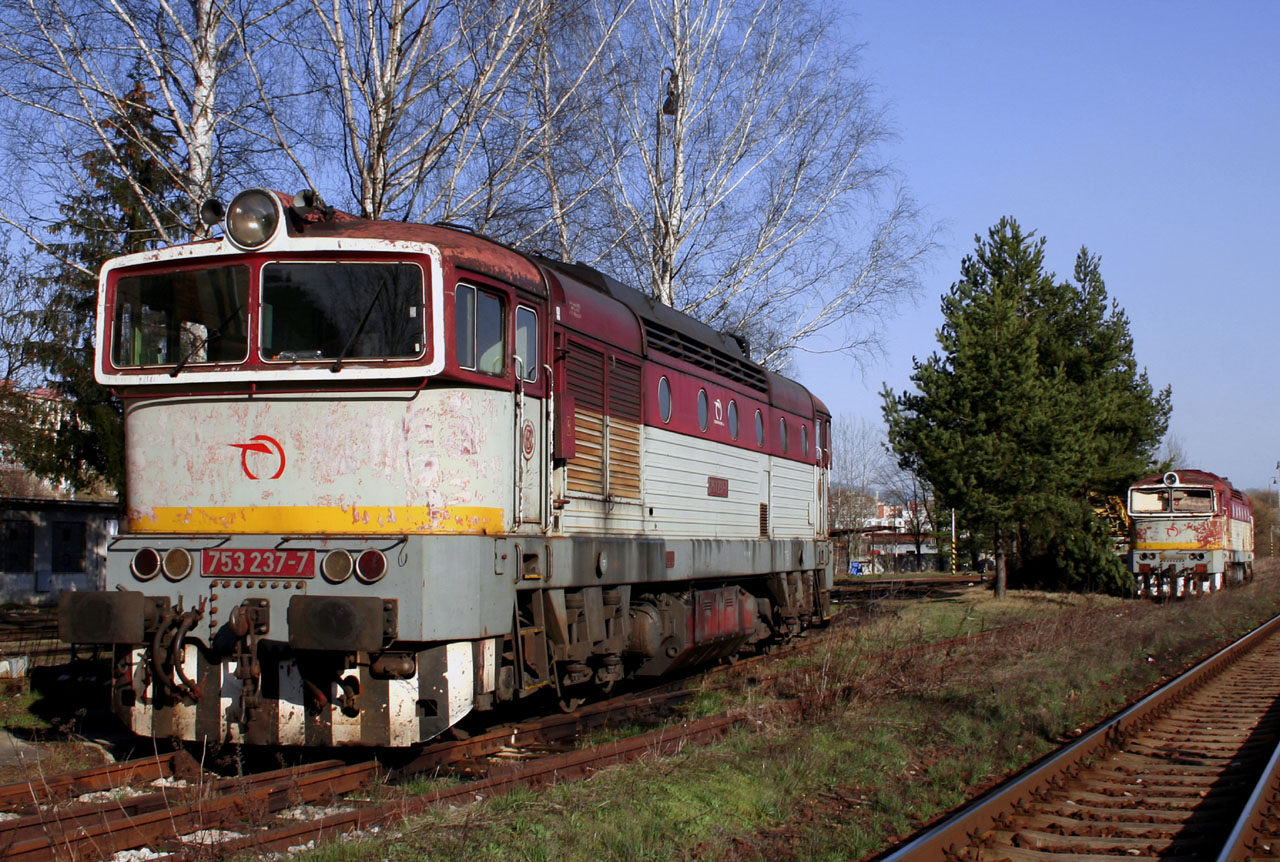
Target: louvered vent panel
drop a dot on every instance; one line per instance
(585, 377)
(624, 429)
(764, 520)
(683, 347)
(586, 469)
(624, 390)
(584, 380)
(624, 458)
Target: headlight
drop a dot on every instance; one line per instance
(336, 566)
(177, 564)
(252, 218)
(145, 564)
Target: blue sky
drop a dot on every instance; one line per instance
(1148, 131)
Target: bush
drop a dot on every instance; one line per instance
(1080, 558)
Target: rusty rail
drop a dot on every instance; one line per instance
(985, 827)
(540, 772)
(95, 830)
(1256, 834)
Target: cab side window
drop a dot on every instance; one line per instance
(527, 342)
(480, 333)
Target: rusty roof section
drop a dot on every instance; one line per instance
(467, 250)
(1187, 476)
(648, 309)
(670, 331)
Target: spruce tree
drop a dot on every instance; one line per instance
(1033, 404)
(82, 444)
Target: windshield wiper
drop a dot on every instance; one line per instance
(346, 348)
(213, 335)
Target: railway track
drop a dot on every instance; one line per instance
(846, 590)
(1189, 772)
(168, 807)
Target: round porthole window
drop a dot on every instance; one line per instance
(782, 433)
(664, 399)
(702, 409)
(804, 440)
(759, 428)
(733, 419)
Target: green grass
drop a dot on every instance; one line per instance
(885, 738)
(15, 711)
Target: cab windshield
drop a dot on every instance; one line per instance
(1177, 501)
(335, 311)
(174, 318)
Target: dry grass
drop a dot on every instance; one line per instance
(858, 740)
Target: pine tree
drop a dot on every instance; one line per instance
(83, 445)
(1033, 403)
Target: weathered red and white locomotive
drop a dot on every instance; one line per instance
(382, 474)
(1190, 531)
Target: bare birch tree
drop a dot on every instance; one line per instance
(67, 68)
(859, 465)
(556, 196)
(905, 489)
(746, 184)
(416, 86)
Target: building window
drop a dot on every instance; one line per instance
(480, 329)
(733, 419)
(702, 409)
(664, 399)
(68, 547)
(19, 555)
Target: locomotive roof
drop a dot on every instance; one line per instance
(1186, 476)
(674, 333)
(664, 328)
(468, 250)
(648, 310)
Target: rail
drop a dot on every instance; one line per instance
(1000, 816)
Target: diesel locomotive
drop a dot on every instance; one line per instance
(1190, 532)
(380, 475)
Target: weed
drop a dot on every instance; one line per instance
(885, 736)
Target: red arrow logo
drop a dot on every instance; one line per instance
(264, 444)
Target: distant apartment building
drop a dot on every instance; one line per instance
(50, 545)
(900, 538)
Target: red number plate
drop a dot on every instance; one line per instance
(252, 563)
